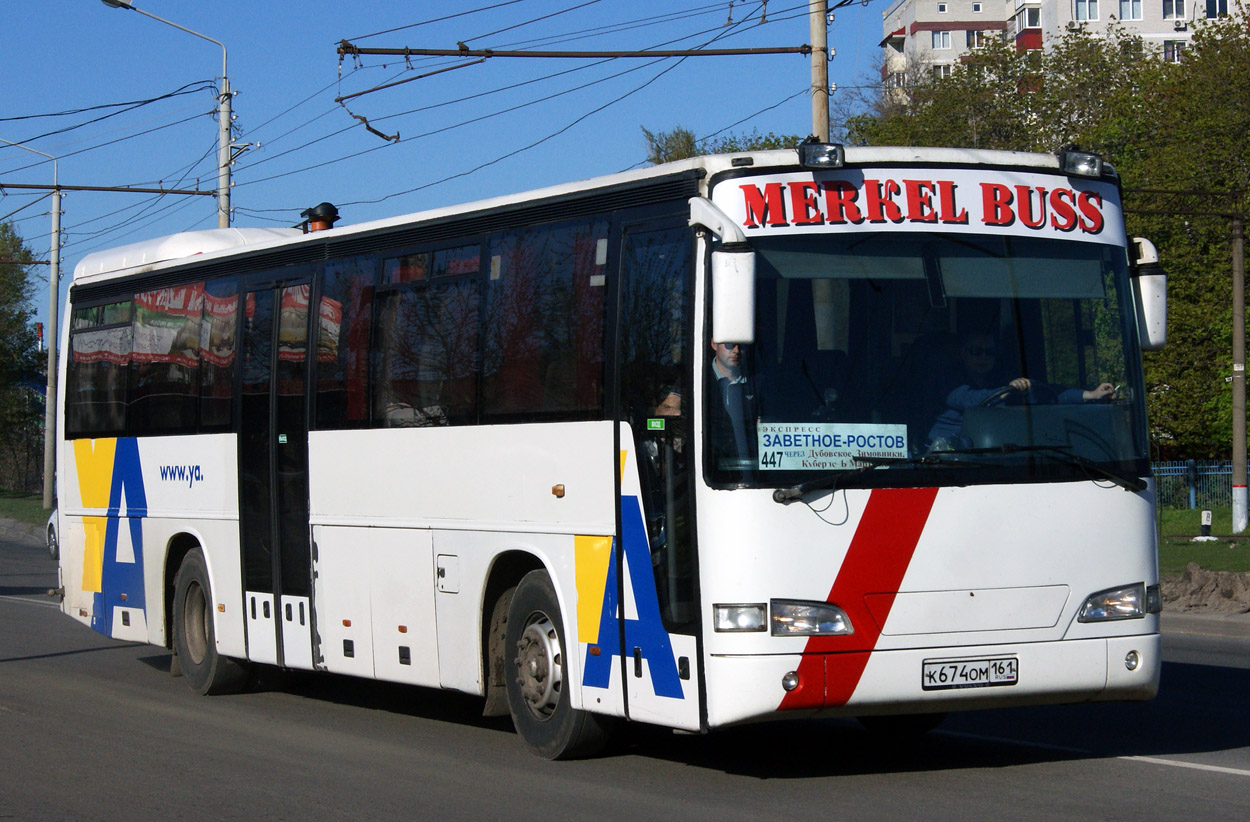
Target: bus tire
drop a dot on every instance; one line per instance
(537, 677)
(195, 639)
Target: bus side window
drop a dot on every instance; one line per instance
(544, 322)
(425, 361)
(344, 324)
(164, 379)
(218, 335)
(99, 352)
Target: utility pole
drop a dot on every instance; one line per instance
(54, 306)
(50, 396)
(818, 23)
(1240, 498)
(1179, 204)
(225, 147)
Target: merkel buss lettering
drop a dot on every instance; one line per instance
(427, 449)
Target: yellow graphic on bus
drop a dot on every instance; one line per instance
(591, 555)
(94, 461)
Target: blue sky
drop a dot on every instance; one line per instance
(65, 55)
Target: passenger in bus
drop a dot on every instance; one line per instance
(982, 379)
(674, 431)
(733, 405)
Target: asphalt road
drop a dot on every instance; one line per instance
(91, 728)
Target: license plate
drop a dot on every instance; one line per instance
(947, 674)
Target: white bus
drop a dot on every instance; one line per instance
(800, 433)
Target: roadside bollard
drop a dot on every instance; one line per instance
(1206, 523)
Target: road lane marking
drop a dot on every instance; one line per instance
(1176, 763)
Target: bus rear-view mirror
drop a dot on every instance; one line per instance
(1149, 285)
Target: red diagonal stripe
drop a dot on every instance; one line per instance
(875, 563)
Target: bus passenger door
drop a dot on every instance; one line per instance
(273, 472)
(658, 608)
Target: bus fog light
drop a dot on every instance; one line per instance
(790, 681)
(1126, 602)
(798, 618)
(740, 618)
(1132, 660)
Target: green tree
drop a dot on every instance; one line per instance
(1175, 126)
(21, 370)
(680, 143)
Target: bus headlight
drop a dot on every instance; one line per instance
(1126, 602)
(798, 618)
(740, 618)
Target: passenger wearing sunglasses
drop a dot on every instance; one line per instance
(982, 380)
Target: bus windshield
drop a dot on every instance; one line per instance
(928, 359)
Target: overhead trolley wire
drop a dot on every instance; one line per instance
(36, 201)
(438, 19)
(535, 20)
(542, 140)
(721, 32)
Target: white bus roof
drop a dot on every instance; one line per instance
(162, 252)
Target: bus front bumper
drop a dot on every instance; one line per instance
(927, 680)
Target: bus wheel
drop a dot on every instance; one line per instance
(901, 726)
(538, 694)
(206, 671)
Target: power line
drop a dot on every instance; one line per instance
(722, 32)
(38, 199)
(86, 109)
(472, 120)
(199, 85)
(543, 139)
(438, 19)
(111, 142)
(536, 20)
(534, 144)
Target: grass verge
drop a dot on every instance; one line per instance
(1177, 528)
(23, 507)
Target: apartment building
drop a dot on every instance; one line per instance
(933, 36)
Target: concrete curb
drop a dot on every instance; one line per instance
(1196, 622)
(12, 530)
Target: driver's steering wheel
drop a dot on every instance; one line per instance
(998, 396)
(1038, 393)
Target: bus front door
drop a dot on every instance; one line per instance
(659, 624)
(273, 473)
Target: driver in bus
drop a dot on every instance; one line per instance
(978, 354)
(733, 406)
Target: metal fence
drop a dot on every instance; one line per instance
(1193, 483)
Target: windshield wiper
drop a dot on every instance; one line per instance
(1063, 454)
(867, 463)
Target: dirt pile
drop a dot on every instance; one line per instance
(1214, 592)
